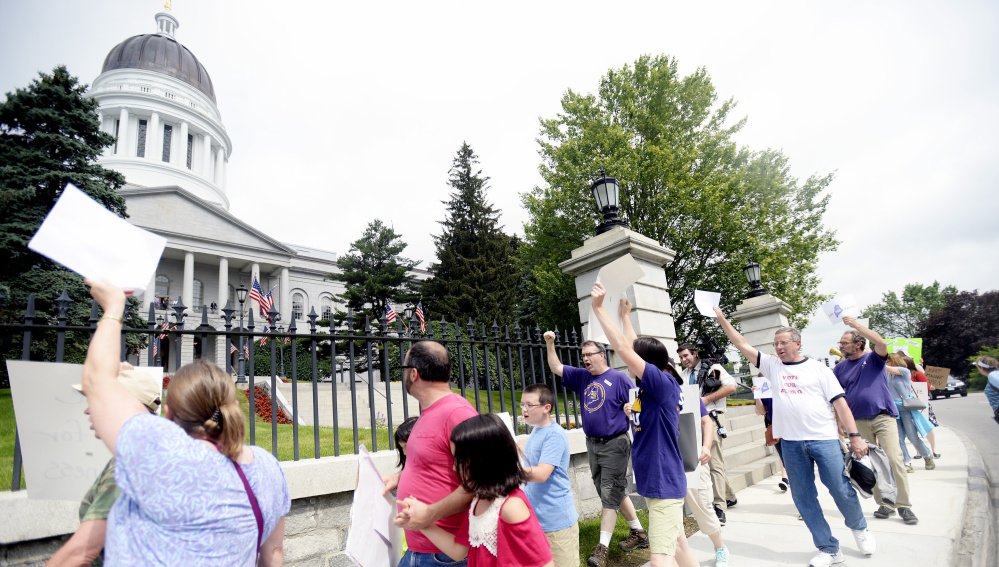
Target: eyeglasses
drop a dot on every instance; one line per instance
(529, 406)
(589, 354)
(841, 343)
(779, 344)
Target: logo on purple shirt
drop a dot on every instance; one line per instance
(594, 396)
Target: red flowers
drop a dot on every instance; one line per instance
(263, 406)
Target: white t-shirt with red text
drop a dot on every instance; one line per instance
(803, 393)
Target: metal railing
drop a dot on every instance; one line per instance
(490, 366)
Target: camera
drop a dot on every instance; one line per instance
(721, 430)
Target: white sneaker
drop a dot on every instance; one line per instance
(865, 541)
(823, 559)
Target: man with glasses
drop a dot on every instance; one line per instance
(429, 490)
(604, 391)
(546, 458)
(862, 375)
(809, 407)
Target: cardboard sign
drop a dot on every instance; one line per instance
(937, 376)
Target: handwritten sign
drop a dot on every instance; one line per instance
(937, 376)
(62, 457)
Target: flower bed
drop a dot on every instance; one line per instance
(263, 406)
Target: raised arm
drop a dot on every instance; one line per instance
(624, 312)
(110, 404)
(878, 343)
(739, 341)
(623, 347)
(553, 362)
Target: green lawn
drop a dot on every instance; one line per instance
(7, 440)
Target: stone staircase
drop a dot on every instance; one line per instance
(747, 459)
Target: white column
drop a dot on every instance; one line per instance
(219, 155)
(222, 169)
(188, 294)
(285, 295)
(181, 147)
(154, 138)
(223, 282)
(206, 156)
(123, 133)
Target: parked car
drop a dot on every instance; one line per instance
(954, 386)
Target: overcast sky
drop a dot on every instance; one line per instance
(343, 112)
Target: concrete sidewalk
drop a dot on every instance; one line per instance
(764, 530)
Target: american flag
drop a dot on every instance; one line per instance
(421, 317)
(390, 314)
(264, 301)
(246, 352)
(232, 348)
(264, 340)
(156, 348)
(165, 327)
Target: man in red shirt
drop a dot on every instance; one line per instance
(429, 475)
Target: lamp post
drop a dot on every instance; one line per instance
(241, 297)
(280, 329)
(606, 191)
(756, 289)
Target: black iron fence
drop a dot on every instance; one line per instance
(329, 368)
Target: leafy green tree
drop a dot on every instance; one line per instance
(374, 272)
(967, 323)
(685, 183)
(897, 316)
(49, 136)
(476, 273)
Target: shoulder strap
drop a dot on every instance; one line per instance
(253, 503)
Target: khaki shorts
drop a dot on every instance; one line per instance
(665, 524)
(565, 546)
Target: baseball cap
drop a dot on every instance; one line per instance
(862, 476)
(146, 388)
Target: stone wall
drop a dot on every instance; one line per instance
(315, 528)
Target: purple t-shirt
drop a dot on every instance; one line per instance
(603, 398)
(865, 385)
(655, 454)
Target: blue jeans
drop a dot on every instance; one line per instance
(992, 395)
(800, 458)
(417, 559)
(907, 429)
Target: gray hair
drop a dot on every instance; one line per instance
(795, 333)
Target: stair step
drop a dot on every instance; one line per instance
(746, 475)
(745, 454)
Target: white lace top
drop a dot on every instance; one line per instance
(482, 529)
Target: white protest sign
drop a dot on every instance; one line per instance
(62, 458)
(372, 540)
(690, 432)
(508, 422)
(94, 242)
(761, 388)
(706, 301)
(844, 305)
(617, 277)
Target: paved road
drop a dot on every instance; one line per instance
(972, 416)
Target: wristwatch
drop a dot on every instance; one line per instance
(854, 434)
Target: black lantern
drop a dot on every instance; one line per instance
(756, 289)
(606, 192)
(241, 294)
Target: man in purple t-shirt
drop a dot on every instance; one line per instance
(862, 375)
(603, 392)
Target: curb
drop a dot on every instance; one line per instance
(976, 545)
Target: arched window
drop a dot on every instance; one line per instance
(297, 305)
(162, 286)
(327, 304)
(197, 296)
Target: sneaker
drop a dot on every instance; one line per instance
(865, 541)
(936, 455)
(635, 540)
(930, 465)
(907, 516)
(917, 456)
(783, 484)
(721, 557)
(823, 559)
(721, 515)
(731, 503)
(909, 469)
(598, 557)
(884, 512)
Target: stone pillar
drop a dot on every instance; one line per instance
(122, 147)
(218, 166)
(181, 148)
(285, 293)
(652, 313)
(758, 318)
(188, 293)
(154, 138)
(223, 282)
(206, 156)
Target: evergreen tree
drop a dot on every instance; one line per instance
(49, 136)
(374, 272)
(476, 274)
